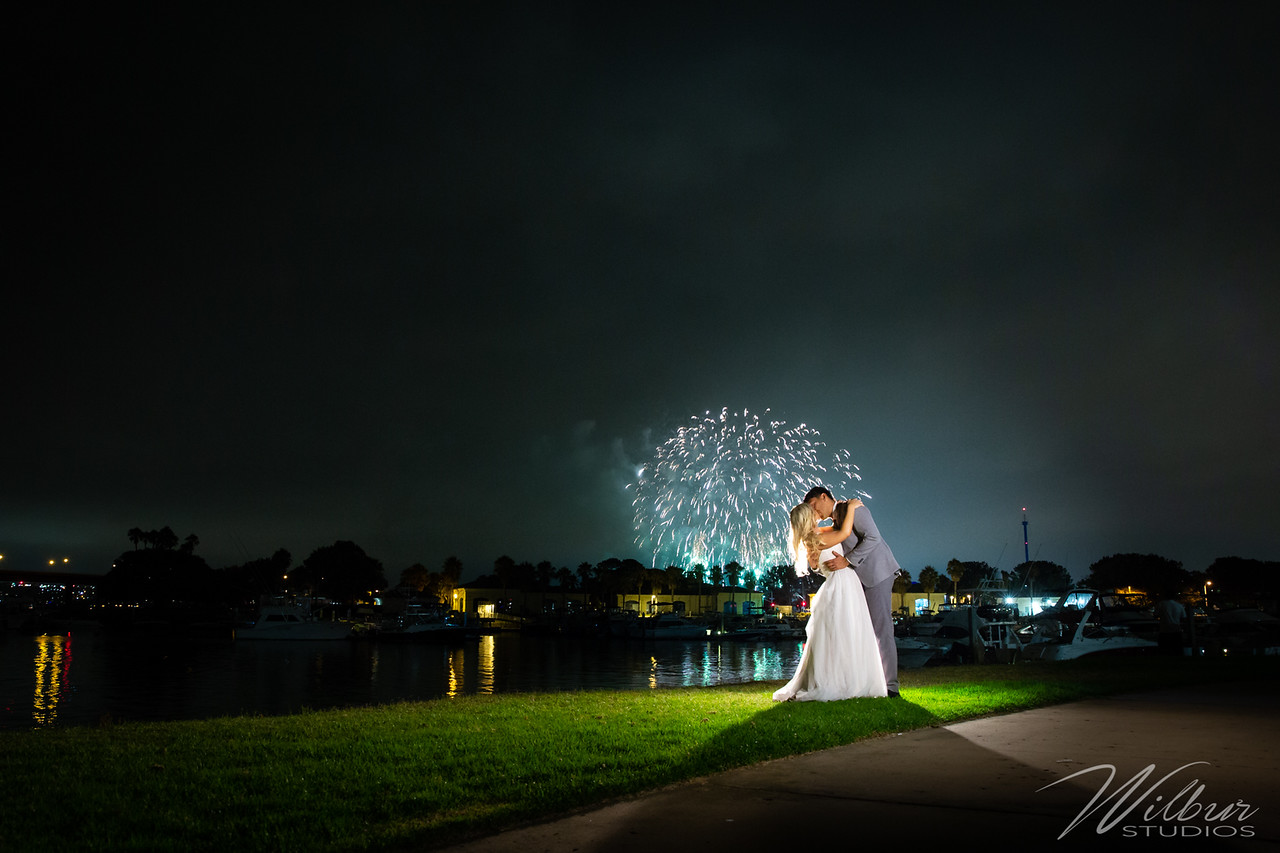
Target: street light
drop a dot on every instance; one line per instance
(1207, 584)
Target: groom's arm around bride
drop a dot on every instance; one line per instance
(871, 558)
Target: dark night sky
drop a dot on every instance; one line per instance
(437, 281)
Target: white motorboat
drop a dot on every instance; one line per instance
(669, 626)
(291, 621)
(951, 634)
(1087, 622)
(424, 628)
(778, 629)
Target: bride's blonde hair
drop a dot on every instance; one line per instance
(804, 535)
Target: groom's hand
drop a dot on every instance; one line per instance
(837, 562)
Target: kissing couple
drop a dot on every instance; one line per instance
(849, 649)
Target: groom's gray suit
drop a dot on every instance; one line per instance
(870, 557)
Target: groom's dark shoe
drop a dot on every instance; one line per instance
(893, 694)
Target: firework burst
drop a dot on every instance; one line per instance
(721, 489)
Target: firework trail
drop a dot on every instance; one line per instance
(722, 487)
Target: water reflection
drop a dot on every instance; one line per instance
(52, 668)
(486, 657)
(156, 677)
(454, 674)
(768, 663)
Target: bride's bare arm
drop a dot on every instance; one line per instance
(833, 535)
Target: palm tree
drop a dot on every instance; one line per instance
(564, 577)
(929, 578)
(675, 575)
(544, 570)
(135, 536)
(732, 572)
(634, 572)
(526, 577)
(505, 568)
(452, 569)
(955, 571)
(657, 581)
(450, 577)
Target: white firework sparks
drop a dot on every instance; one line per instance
(721, 490)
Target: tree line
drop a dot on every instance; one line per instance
(161, 568)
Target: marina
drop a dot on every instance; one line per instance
(76, 673)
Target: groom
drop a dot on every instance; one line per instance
(871, 559)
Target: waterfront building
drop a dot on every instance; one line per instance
(917, 603)
(490, 602)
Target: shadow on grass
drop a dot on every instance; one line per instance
(793, 728)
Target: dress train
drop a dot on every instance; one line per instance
(841, 659)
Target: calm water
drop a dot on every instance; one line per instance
(82, 677)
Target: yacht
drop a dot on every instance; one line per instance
(292, 621)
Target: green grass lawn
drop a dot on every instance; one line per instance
(418, 775)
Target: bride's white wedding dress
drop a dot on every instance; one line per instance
(840, 659)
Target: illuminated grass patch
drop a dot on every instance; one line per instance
(417, 775)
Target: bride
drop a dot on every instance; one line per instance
(840, 659)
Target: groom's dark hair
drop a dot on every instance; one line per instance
(815, 491)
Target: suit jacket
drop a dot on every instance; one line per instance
(867, 553)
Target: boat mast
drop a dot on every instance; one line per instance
(1026, 541)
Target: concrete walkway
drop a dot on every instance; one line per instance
(980, 783)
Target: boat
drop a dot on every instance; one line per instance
(923, 626)
(1242, 631)
(669, 626)
(949, 636)
(1088, 622)
(945, 636)
(424, 627)
(624, 623)
(733, 628)
(915, 652)
(292, 621)
(778, 629)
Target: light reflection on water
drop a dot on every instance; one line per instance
(162, 678)
(486, 656)
(52, 669)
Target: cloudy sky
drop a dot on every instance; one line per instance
(438, 279)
